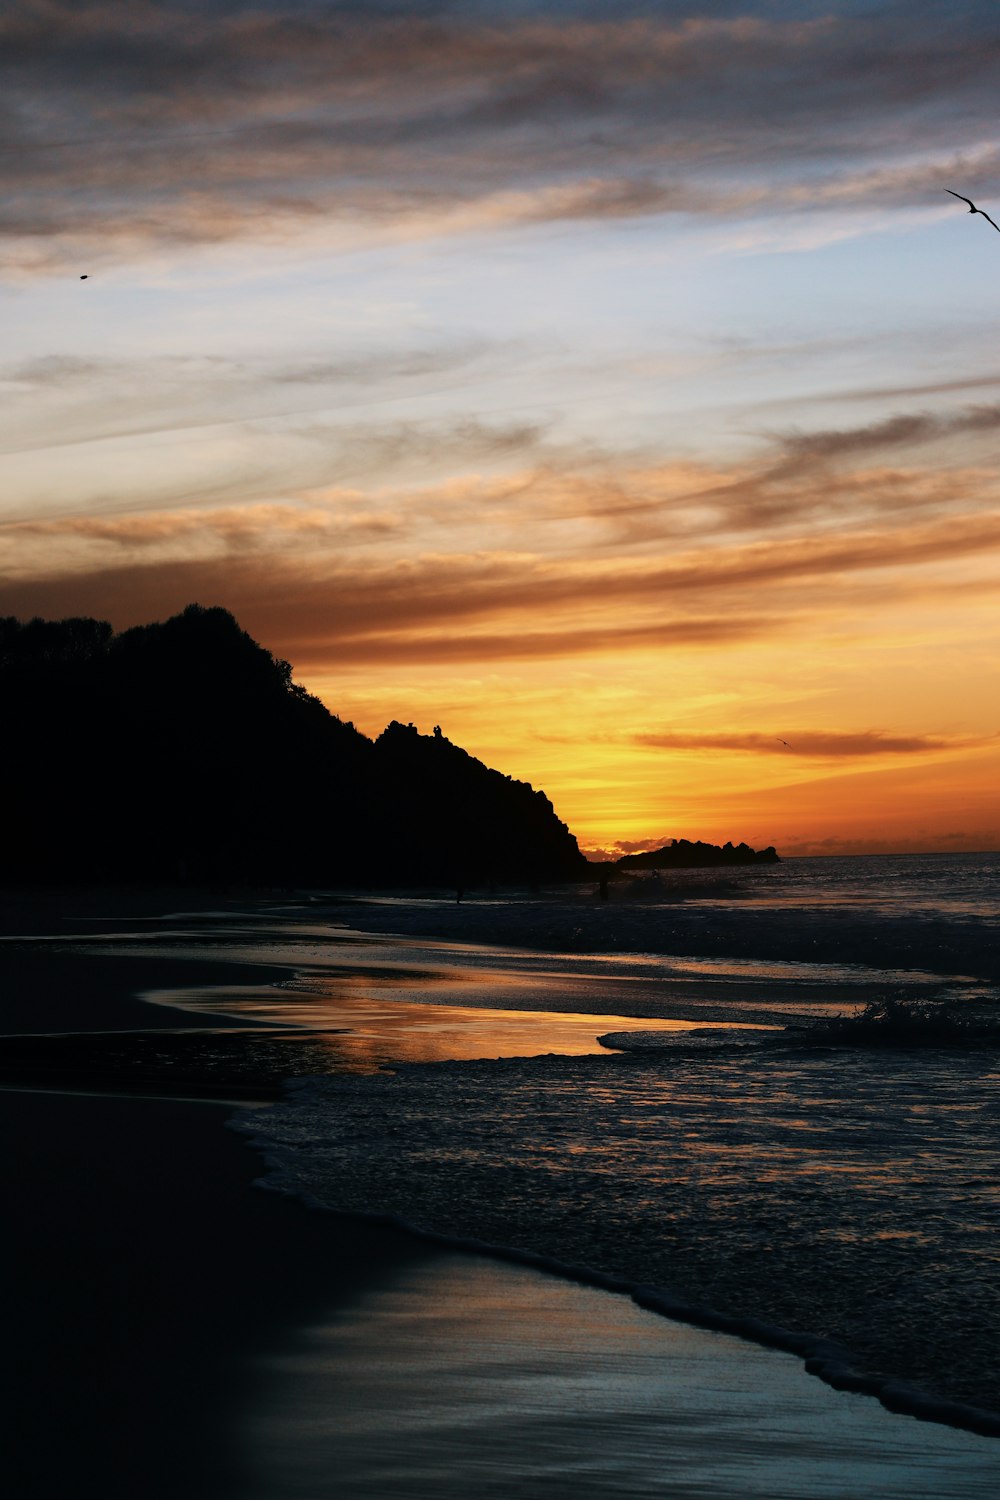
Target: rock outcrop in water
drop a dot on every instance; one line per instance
(683, 854)
(184, 750)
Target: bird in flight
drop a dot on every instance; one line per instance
(778, 736)
(974, 210)
(84, 276)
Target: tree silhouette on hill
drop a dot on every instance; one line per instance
(184, 749)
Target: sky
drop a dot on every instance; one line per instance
(614, 385)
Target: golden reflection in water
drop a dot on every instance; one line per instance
(366, 1032)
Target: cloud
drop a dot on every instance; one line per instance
(247, 530)
(474, 583)
(972, 840)
(314, 425)
(457, 539)
(429, 613)
(375, 367)
(308, 454)
(906, 430)
(522, 644)
(61, 401)
(923, 388)
(810, 743)
(295, 576)
(447, 118)
(819, 475)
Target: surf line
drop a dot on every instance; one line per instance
(822, 1357)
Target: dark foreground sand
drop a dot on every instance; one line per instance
(143, 1276)
(141, 1271)
(463, 1377)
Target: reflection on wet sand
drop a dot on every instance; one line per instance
(637, 984)
(409, 999)
(458, 1376)
(364, 1033)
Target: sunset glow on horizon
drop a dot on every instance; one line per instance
(612, 385)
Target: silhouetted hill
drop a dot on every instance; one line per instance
(683, 854)
(184, 749)
(466, 822)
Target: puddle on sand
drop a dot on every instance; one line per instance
(365, 1032)
(334, 963)
(379, 998)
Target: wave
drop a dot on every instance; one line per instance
(524, 1160)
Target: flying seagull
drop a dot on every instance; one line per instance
(778, 736)
(974, 210)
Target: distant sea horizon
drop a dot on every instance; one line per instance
(595, 856)
(941, 880)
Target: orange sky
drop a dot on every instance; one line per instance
(624, 429)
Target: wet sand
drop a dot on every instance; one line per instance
(574, 922)
(461, 1376)
(852, 1199)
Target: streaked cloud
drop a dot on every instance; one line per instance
(904, 431)
(987, 379)
(819, 744)
(282, 570)
(445, 118)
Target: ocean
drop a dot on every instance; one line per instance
(845, 1195)
(956, 885)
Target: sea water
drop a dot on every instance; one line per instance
(893, 885)
(755, 1187)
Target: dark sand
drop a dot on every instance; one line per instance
(72, 1018)
(144, 1279)
(50, 988)
(142, 1272)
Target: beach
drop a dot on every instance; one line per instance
(162, 1298)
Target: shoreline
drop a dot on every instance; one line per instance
(821, 1357)
(494, 1155)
